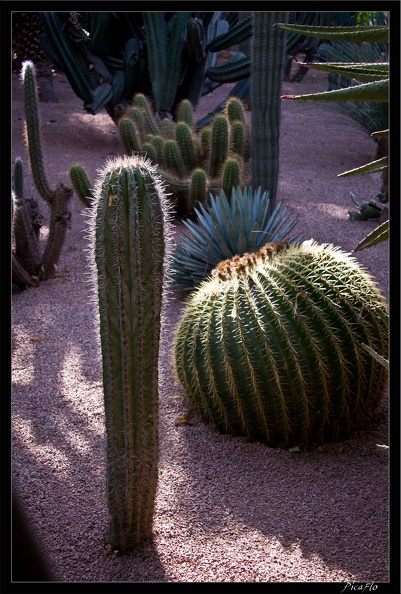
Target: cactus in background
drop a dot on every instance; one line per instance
(270, 347)
(225, 229)
(81, 184)
(185, 112)
(183, 135)
(28, 266)
(221, 151)
(218, 145)
(231, 175)
(267, 75)
(374, 86)
(130, 135)
(129, 233)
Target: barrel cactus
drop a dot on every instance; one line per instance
(270, 347)
(129, 224)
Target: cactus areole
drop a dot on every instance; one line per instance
(270, 346)
(130, 220)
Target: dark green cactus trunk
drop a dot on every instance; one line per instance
(271, 347)
(267, 75)
(130, 222)
(32, 129)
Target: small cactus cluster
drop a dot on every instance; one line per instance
(192, 162)
(271, 346)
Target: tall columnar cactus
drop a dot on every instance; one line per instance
(267, 74)
(27, 219)
(271, 346)
(129, 234)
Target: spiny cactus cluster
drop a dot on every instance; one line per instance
(270, 347)
(192, 162)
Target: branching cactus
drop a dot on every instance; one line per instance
(29, 266)
(129, 233)
(271, 346)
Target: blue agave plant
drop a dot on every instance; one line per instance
(224, 229)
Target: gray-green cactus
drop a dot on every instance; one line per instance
(271, 346)
(129, 223)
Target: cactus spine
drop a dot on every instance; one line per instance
(270, 347)
(267, 74)
(129, 232)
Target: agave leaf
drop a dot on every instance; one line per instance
(372, 91)
(242, 244)
(367, 72)
(376, 236)
(372, 167)
(374, 33)
(376, 356)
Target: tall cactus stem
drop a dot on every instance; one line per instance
(32, 130)
(185, 112)
(186, 147)
(129, 225)
(219, 145)
(129, 135)
(141, 101)
(231, 175)
(59, 222)
(266, 83)
(237, 137)
(198, 189)
(173, 160)
(18, 177)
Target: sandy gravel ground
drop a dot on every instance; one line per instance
(226, 510)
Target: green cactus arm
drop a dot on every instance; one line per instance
(18, 178)
(238, 33)
(173, 160)
(372, 167)
(130, 137)
(372, 91)
(381, 233)
(26, 242)
(20, 275)
(219, 145)
(140, 100)
(234, 70)
(363, 72)
(183, 135)
(59, 221)
(33, 137)
(373, 33)
(81, 183)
